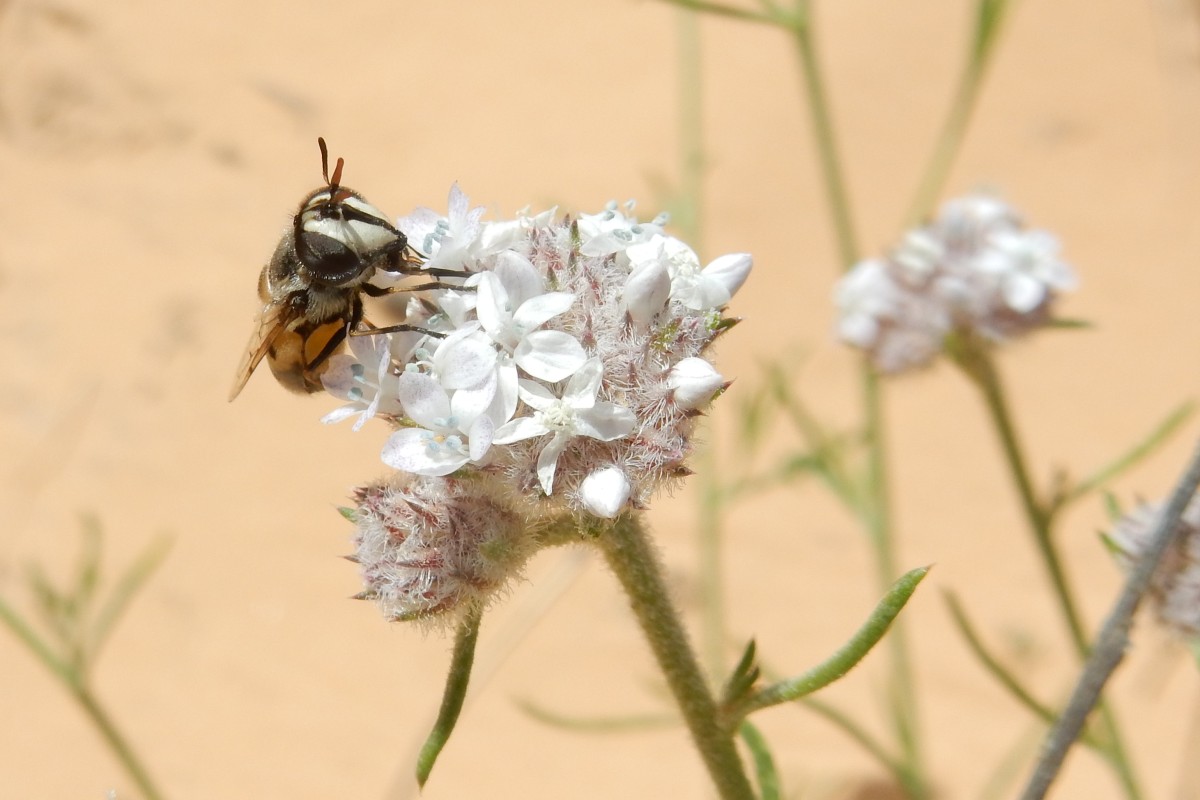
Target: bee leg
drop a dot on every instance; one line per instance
(397, 329)
(378, 291)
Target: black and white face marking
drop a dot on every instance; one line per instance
(339, 235)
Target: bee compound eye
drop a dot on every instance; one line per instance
(328, 260)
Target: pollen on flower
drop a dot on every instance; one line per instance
(975, 269)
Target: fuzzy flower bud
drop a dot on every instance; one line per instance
(694, 382)
(605, 492)
(431, 547)
(1175, 585)
(975, 269)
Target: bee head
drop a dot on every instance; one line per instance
(339, 236)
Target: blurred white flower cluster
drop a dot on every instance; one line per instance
(563, 376)
(974, 269)
(1175, 585)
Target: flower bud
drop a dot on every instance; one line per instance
(429, 547)
(693, 382)
(605, 492)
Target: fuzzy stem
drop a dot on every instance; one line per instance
(632, 558)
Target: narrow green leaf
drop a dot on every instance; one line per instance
(626, 724)
(118, 600)
(87, 571)
(51, 605)
(742, 679)
(1112, 507)
(1149, 444)
(992, 664)
(846, 656)
(348, 514)
(1070, 324)
(455, 693)
(25, 633)
(1002, 674)
(764, 762)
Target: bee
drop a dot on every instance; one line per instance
(312, 287)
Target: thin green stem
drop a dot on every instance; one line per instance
(989, 16)
(902, 689)
(977, 363)
(980, 367)
(817, 101)
(634, 561)
(120, 747)
(689, 209)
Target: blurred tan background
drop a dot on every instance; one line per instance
(150, 156)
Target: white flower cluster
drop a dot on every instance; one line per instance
(564, 375)
(1175, 585)
(974, 269)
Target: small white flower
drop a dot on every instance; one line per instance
(445, 240)
(698, 289)
(512, 308)
(576, 413)
(363, 379)
(1027, 265)
(441, 445)
(605, 492)
(694, 381)
(611, 231)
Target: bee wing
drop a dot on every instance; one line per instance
(272, 321)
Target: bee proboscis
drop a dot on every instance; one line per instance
(312, 287)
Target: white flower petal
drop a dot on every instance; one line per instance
(424, 400)
(467, 404)
(548, 461)
(463, 363)
(537, 310)
(491, 304)
(535, 395)
(550, 355)
(580, 391)
(605, 492)
(605, 421)
(518, 430)
(520, 278)
(481, 435)
(730, 271)
(422, 452)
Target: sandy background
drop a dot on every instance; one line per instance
(150, 155)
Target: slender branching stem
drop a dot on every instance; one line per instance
(977, 362)
(1113, 639)
(633, 559)
(114, 739)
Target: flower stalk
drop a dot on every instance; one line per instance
(633, 560)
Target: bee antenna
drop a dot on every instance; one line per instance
(324, 158)
(337, 170)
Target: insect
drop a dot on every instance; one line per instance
(312, 287)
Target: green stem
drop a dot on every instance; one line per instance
(977, 362)
(902, 692)
(979, 366)
(822, 119)
(114, 739)
(635, 563)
